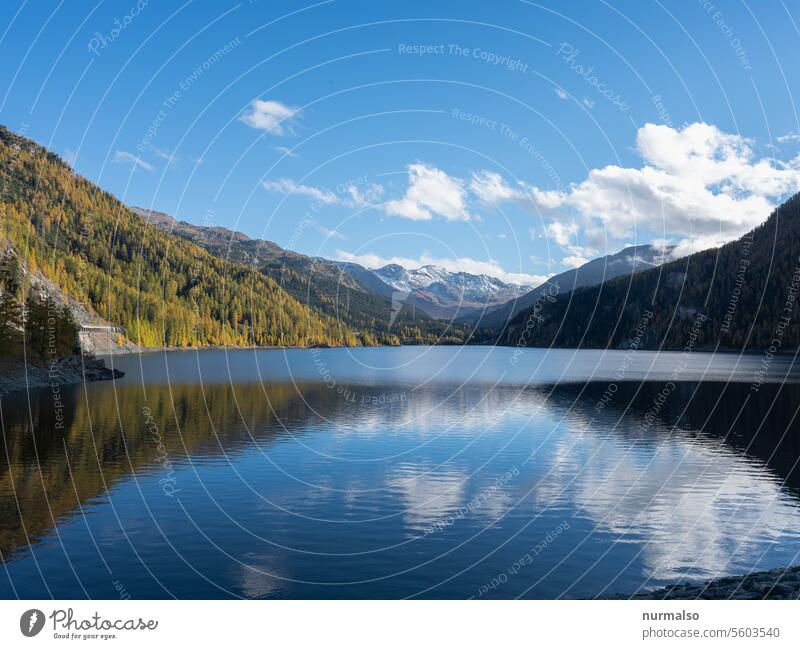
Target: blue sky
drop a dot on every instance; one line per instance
(514, 138)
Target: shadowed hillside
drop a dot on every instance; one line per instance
(739, 296)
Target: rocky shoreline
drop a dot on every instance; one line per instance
(781, 583)
(75, 369)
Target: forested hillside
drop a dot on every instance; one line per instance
(345, 292)
(740, 296)
(164, 290)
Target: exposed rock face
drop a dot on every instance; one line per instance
(96, 334)
(66, 371)
(104, 342)
(782, 583)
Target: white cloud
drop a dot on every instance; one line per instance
(363, 196)
(698, 185)
(589, 103)
(459, 264)
(574, 261)
(561, 233)
(129, 158)
(490, 187)
(164, 154)
(349, 195)
(561, 94)
(288, 186)
(327, 232)
(547, 199)
(789, 137)
(659, 244)
(430, 192)
(271, 116)
(578, 255)
(285, 150)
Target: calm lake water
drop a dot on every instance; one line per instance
(410, 472)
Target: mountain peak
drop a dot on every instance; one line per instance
(443, 293)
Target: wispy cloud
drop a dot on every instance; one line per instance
(271, 116)
(490, 187)
(288, 186)
(164, 154)
(362, 195)
(561, 94)
(350, 194)
(789, 138)
(328, 233)
(129, 158)
(285, 150)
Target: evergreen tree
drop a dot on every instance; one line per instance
(10, 308)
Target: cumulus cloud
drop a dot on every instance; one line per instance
(697, 185)
(561, 233)
(544, 199)
(271, 116)
(430, 192)
(128, 158)
(454, 265)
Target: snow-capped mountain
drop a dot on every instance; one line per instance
(444, 294)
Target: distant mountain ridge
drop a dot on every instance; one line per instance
(625, 262)
(431, 290)
(446, 294)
